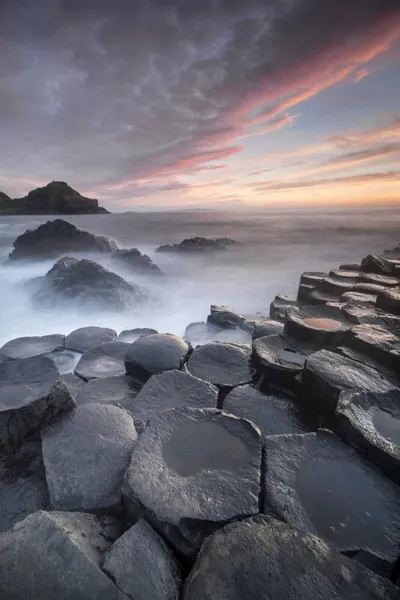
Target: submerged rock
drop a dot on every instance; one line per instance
(85, 455)
(315, 482)
(31, 392)
(58, 555)
(56, 238)
(263, 558)
(223, 364)
(198, 244)
(191, 471)
(84, 338)
(153, 354)
(138, 262)
(106, 360)
(25, 347)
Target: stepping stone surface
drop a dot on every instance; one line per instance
(73, 383)
(31, 392)
(314, 481)
(268, 327)
(25, 347)
(222, 364)
(106, 360)
(65, 360)
(142, 565)
(389, 301)
(153, 354)
(85, 456)
(278, 360)
(322, 325)
(191, 471)
(53, 555)
(378, 343)
(131, 335)
(260, 558)
(225, 317)
(118, 391)
(85, 338)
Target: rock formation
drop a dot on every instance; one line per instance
(198, 245)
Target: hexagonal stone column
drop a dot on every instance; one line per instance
(153, 354)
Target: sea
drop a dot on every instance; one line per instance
(277, 245)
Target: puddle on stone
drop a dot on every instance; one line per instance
(386, 425)
(343, 502)
(322, 323)
(200, 445)
(291, 356)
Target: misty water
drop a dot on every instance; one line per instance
(277, 246)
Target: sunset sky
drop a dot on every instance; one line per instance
(221, 103)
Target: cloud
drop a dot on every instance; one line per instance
(361, 74)
(390, 176)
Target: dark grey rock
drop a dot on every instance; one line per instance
(370, 422)
(278, 360)
(56, 238)
(389, 301)
(327, 374)
(191, 471)
(24, 347)
(31, 392)
(279, 306)
(74, 383)
(23, 484)
(120, 390)
(142, 565)
(324, 326)
(376, 264)
(85, 455)
(314, 481)
(84, 338)
(234, 336)
(198, 245)
(131, 335)
(335, 286)
(106, 360)
(365, 287)
(350, 267)
(222, 364)
(349, 276)
(362, 313)
(172, 389)
(267, 327)
(138, 262)
(320, 296)
(377, 342)
(153, 354)
(386, 280)
(86, 282)
(273, 413)
(308, 282)
(65, 360)
(224, 317)
(265, 559)
(54, 555)
(359, 298)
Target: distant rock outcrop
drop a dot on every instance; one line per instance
(138, 262)
(199, 244)
(56, 238)
(56, 198)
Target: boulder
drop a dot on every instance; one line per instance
(278, 360)
(171, 389)
(120, 390)
(322, 325)
(85, 455)
(225, 365)
(327, 374)
(198, 245)
(379, 343)
(86, 283)
(142, 565)
(224, 318)
(273, 413)
(265, 559)
(136, 261)
(389, 301)
(368, 300)
(279, 306)
(55, 555)
(106, 360)
(308, 282)
(376, 264)
(24, 347)
(370, 422)
(131, 335)
(23, 484)
(84, 338)
(191, 471)
(267, 327)
(153, 354)
(315, 482)
(56, 238)
(31, 392)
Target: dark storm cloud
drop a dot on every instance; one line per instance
(97, 92)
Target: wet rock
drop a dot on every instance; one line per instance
(389, 301)
(106, 360)
(319, 296)
(191, 471)
(263, 558)
(322, 325)
(24, 347)
(308, 282)
(376, 264)
(86, 282)
(56, 238)
(223, 364)
(172, 389)
(142, 565)
(85, 455)
(365, 287)
(120, 390)
(358, 298)
(350, 267)
(385, 280)
(154, 354)
(377, 342)
(138, 262)
(370, 422)
(23, 484)
(267, 327)
(327, 374)
(349, 276)
(57, 555)
(314, 481)
(278, 360)
(84, 338)
(74, 383)
(200, 333)
(224, 318)
(234, 336)
(65, 360)
(273, 413)
(31, 392)
(131, 335)
(198, 245)
(363, 313)
(279, 306)
(335, 287)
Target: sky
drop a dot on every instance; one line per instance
(227, 104)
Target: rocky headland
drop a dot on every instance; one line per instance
(256, 456)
